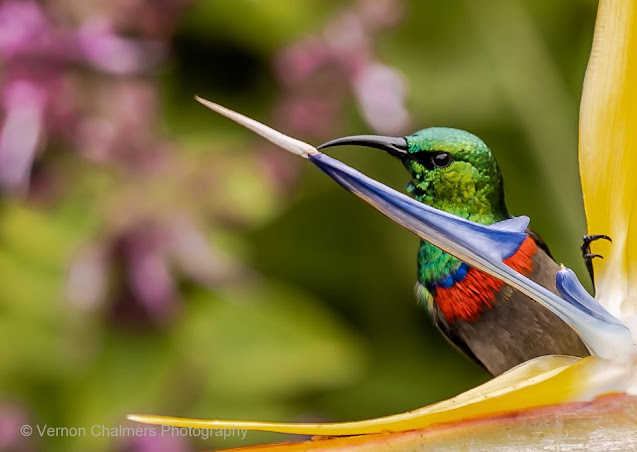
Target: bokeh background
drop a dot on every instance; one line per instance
(157, 258)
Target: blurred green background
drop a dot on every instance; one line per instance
(157, 258)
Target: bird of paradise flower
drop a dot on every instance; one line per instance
(608, 325)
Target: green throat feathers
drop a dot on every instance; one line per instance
(454, 171)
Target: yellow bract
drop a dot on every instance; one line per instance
(542, 381)
(608, 156)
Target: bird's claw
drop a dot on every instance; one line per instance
(588, 239)
(590, 257)
(586, 252)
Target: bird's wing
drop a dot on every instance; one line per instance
(539, 241)
(452, 336)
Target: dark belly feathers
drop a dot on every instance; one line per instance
(516, 328)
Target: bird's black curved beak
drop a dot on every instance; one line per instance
(396, 146)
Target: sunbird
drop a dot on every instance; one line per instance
(490, 248)
(471, 227)
(495, 325)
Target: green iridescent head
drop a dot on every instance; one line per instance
(451, 170)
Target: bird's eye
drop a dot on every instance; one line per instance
(441, 160)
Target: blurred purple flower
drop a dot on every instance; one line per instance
(24, 30)
(148, 273)
(380, 14)
(122, 129)
(381, 92)
(37, 56)
(348, 41)
(12, 418)
(188, 248)
(156, 19)
(93, 90)
(87, 277)
(317, 70)
(150, 255)
(307, 114)
(300, 60)
(156, 443)
(91, 87)
(104, 50)
(21, 132)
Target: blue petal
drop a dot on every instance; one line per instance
(572, 291)
(483, 247)
(515, 224)
(498, 241)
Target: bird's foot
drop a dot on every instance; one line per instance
(586, 252)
